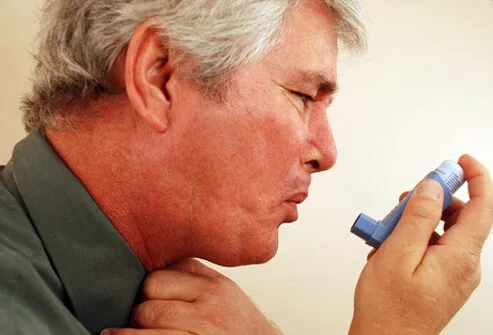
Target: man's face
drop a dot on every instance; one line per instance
(239, 167)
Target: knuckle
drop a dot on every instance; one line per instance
(153, 314)
(217, 319)
(219, 289)
(421, 212)
(470, 271)
(205, 319)
(213, 320)
(467, 272)
(226, 282)
(215, 286)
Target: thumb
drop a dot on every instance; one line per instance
(418, 222)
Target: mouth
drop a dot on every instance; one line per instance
(297, 198)
(292, 203)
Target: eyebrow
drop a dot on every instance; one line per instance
(323, 83)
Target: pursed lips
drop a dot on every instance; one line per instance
(301, 190)
(298, 198)
(292, 203)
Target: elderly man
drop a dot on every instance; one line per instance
(165, 130)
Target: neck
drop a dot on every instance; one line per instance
(102, 154)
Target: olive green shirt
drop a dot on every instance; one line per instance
(64, 268)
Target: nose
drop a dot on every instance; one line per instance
(320, 152)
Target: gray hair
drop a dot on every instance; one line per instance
(79, 41)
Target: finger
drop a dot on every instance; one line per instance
(177, 315)
(174, 285)
(474, 220)
(132, 331)
(456, 205)
(422, 214)
(478, 178)
(403, 195)
(194, 266)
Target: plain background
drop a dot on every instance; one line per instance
(422, 94)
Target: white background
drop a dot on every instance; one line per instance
(422, 94)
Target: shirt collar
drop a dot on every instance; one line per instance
(98, 269)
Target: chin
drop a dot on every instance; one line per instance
(248, 254)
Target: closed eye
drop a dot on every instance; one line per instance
(304, 97)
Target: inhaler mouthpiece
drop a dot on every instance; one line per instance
(449, 175)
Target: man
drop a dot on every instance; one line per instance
(167, 130)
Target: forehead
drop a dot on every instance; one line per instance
(309, 41)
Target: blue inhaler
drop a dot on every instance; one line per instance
(449, 174)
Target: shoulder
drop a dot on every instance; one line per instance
(30, 298)
(31, 294)
(16, 230)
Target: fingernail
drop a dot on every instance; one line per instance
(105, 332)
(429, 189)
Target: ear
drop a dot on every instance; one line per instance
(147, 72)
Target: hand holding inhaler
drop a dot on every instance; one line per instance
(449, 175)
(417, 280)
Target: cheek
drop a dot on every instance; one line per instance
(267, 151)
(279, 144)
(249, 151)
(282, 134)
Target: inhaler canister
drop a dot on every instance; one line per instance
(449, 175)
